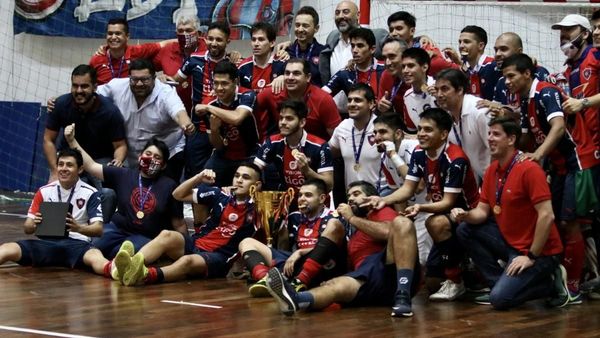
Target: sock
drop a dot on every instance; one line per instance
(155, 275)
(305, 300)
(107, 269)
(404, 277)
(451, 252)
(256, 263)
(574, 259)
(324, 250)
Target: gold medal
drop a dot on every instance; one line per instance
(184, 85)
(139, 214)
(497, 209)
(356, 167)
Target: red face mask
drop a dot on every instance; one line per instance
(149, 165)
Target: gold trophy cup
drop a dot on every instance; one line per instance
(271, 209)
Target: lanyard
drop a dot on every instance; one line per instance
(306, 55)
(143, 197)
(362, 141)
(501, 182)
(110, 65)
(395, 90)
(456, 134)
(369, 76)
(70, 194)
(381, 165)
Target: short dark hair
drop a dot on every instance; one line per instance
(595, 15)
(119, 21)
(298, 107)
(456, 78)
(406, 17)
(266, 27)
(366, 187)
(160, 145)
(442, 119)
(141, 64)
(391, 120)
(509, 125)
(392, 39)
(309, 10)
(305, 64)
(480, 33)
(318, 183)
(220, 25)
(70, 152)
(365, 88)
(83, 70)
(228, 68)
(363, 33)
(522, 62)
(419, 54)
(252, 166)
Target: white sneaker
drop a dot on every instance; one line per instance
(449, 291)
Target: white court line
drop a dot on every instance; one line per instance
(192, 304)
(47, 333)
(10, 214)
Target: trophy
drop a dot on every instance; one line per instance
(271, 209)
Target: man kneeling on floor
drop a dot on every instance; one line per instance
(382, 250)
(210, 252)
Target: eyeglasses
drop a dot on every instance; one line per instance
(145, 80)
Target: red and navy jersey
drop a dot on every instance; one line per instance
(584, 81)
(450, 172)
(304, 233)
(159, 206)
(311, 54)
(542, 105)
(395, 89)
(255, 77)
(240, 141)
(360, 244)
(475, 78)
(438, 61)
(344, 79)
(275, 150)
(108, 68)
(504, 96)
(228, 224)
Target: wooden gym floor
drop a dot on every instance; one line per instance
(71, 303)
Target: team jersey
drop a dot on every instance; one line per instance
(276, 150)
(303, 232)
(154, 199)
(415, 103)
(228, 224)
(450, 173)
(475, 78)
(322, 111)
(360, 244)
(505, 97)
(542, 105)
(311, 54)
(395, 181)
(108, 68)
(240, 141)
(345, 78)
(255, 77)
(85, 203)
(584, 81)
(394, 88)
(525, 187)
(438, 60)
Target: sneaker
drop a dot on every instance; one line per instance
(575, 297)
(121, 261)
(483, 299)
(283, 292)
(298, 285)
(590, 285)
(560, 285)
(449, 291)
(402, 305)
(136, 272)
(594, 294)
(259, 289)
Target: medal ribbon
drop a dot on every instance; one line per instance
(500, 183)
(70, 194)
(362, 141)
(110, 65)
(143, 197)
(306, 55)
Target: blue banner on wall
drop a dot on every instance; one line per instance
(148, 19)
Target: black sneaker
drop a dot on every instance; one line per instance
(298, 285)
(402, 306)
(283, 292)
(560, 285)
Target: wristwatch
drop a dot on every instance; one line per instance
(531, 256)
(585, 103)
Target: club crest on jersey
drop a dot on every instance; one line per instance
(233, 217)
(80, 203)
(308, 232)
(293, 165)
(315, 60)
(261, 83)
(587, 73)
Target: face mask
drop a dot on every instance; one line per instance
(187, 41)
(571, 48)
(149, 165)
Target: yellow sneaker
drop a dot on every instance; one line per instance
(137, 271)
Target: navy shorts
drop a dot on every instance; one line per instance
(113, 237)
(196, 152)
(563, 192)
(279, 257)
(65, 252)
(380, 281)
(224, 168)
(217, 263)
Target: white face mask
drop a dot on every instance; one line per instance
(571, 48)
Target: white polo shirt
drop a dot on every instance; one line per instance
(155, 117)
